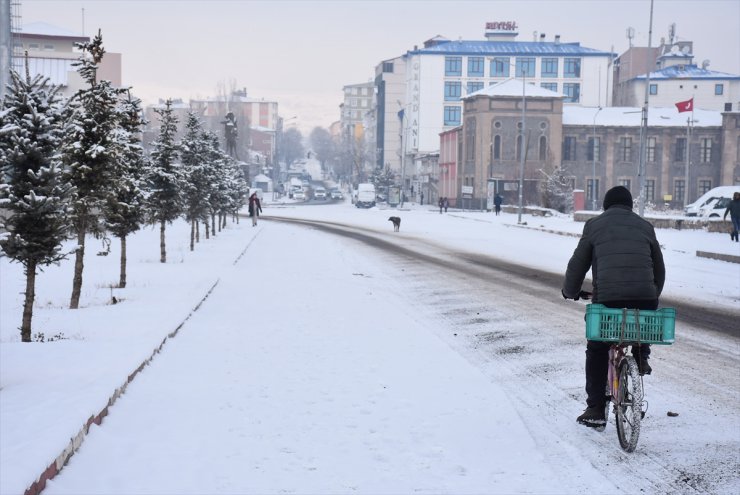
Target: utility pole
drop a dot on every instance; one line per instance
(644, 123)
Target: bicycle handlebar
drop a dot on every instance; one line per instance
(584, 294)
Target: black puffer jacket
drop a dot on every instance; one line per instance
(625, 254)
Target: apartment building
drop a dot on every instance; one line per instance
(51, 52)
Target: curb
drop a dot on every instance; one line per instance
(730, 258)
(74, 443)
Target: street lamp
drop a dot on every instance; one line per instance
(523, 148)
(402, 114)
(593, 155)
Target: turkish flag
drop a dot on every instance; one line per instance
(685, 106)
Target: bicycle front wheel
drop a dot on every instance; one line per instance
(629, 404)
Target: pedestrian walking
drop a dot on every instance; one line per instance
(734, 210)
(255, 208)
(446, 203)
(497, 200)
(441, 203)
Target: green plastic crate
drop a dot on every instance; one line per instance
(605, 324)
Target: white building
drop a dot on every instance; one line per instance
(441, 72)
(390, 81)
(711, 90)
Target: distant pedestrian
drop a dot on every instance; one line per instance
(255, 208)
(497, 200)
(441, 204)
(734, 210)
(422, 199)
(446, 203)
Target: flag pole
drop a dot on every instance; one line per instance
(689, 121)
(644, 123)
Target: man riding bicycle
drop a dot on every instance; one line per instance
(627, 271)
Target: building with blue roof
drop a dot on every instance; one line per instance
(673, 77)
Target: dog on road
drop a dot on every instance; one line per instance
(396, 223)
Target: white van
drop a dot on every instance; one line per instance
(711, 202)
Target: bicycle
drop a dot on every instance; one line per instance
(625, 389)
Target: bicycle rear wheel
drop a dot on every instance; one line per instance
(629, 404)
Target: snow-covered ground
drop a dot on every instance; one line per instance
(284, 380)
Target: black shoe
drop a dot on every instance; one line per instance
(643, 367)
(593, 417)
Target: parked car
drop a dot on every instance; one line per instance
(709, 202)
(319, 193)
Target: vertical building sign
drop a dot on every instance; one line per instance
(414, 107)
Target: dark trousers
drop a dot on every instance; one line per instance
(597, 356)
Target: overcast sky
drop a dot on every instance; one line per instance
(301, 52)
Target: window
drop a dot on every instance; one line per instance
(651, 144)
(719, 89)
(594, 149)
(543, 148)
(624, 183)
(549, 67)
(625, 149)
(452, 116)
(519, 147)
(476, 66)
(48, 47)
(679, 188)
(650, 190)
(572, 67)
(525, 66)
(572, 92)
(474, 86)
(453, 66)
(653, 89)
(592, 189)
(388, 67)
(569, 148)
(470, 139)
(33, 46)
(550, 86)
(452, 90)
(705, 185)
(681, 149)
(500, 67)
(705, 150)
(497, 147)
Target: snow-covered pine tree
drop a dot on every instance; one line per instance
(195, 155)
(34, 200)
(91, 150)
(218, 196)
(125, 213)
(164, 203)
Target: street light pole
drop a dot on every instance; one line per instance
(593, 155)
(522, 149)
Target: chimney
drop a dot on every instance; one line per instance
(557, 39)
(542, 37)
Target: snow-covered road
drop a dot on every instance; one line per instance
(266, 392)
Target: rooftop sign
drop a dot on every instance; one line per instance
(509, 26)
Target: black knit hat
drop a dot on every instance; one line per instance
(617, 195)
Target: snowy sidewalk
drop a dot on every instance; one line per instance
(270, 389)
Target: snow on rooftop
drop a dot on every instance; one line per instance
(46, 29)
(463, 47)
(631, 117)
(513, 87)
(688, 72)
